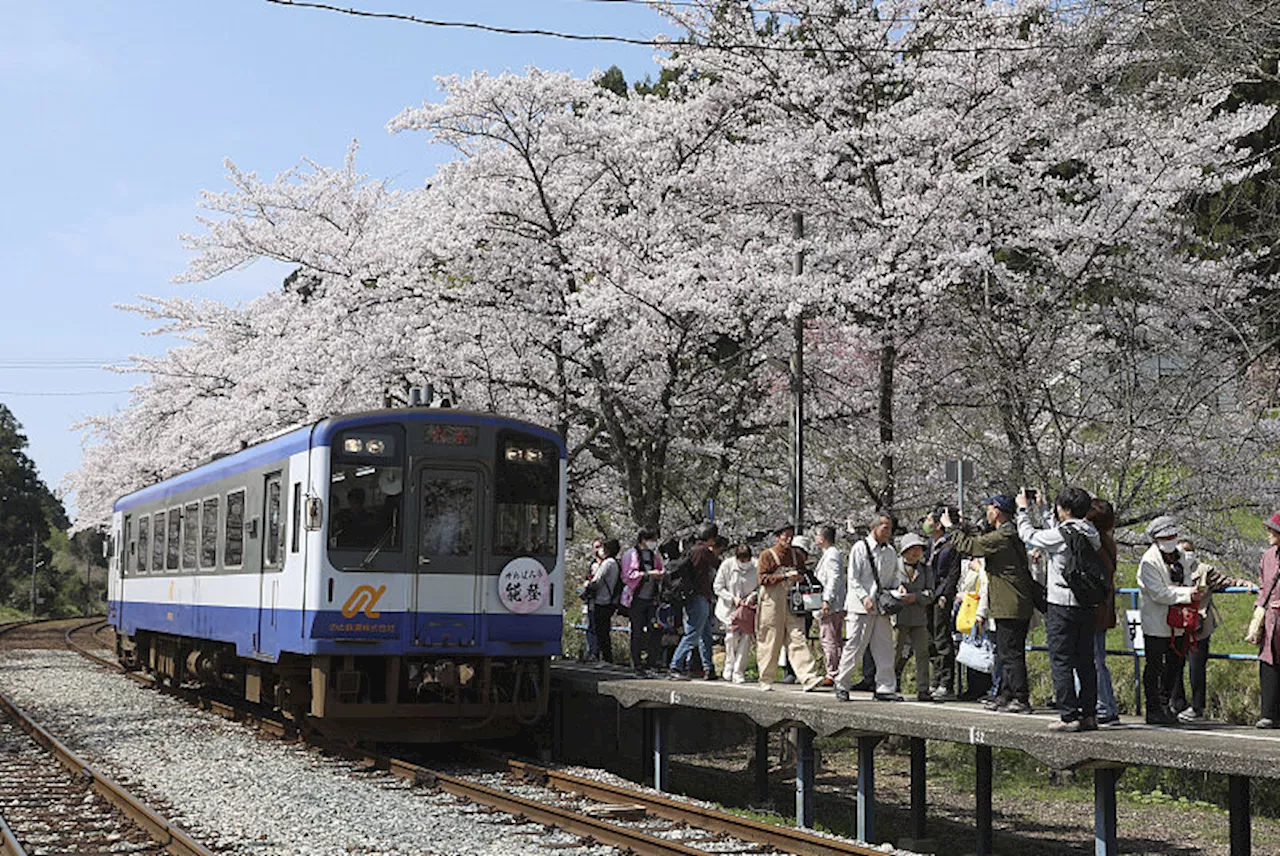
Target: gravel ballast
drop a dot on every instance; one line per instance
(242, 794)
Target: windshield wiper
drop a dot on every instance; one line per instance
(382, 542)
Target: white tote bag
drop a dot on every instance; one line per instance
(977, 653)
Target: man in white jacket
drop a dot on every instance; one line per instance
(831, 576)
(1069, 626)
(872, 559)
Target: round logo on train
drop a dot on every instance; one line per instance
(523, 585)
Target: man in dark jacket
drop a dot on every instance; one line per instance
(944, 570)
(1009, 596)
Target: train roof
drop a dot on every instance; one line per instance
(318, 434)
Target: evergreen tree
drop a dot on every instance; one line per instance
(28, 512)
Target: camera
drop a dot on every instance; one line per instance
(1030, 494)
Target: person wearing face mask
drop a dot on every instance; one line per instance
(831, 576)
(736, 599)
(1211, 580)
(641, 571)
(592, 652)
(604, 585)
(1164, 579)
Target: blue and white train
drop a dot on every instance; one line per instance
(395, 574)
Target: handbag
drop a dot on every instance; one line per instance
(1254, 635)
(886, 602)
(968, 614)
(743, 619)
(804, 597)
(977, 653)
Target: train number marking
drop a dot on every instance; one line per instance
(363, 599)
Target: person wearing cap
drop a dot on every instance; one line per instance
(776, 628)
(1069, 625)
(804, 545)
(873, 565)
(1010, 596)
(1164, 579)
(1269, 601)
(911, 625)
(830, 574)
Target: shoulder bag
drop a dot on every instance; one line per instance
(886, 602)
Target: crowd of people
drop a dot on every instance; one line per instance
(951, 593)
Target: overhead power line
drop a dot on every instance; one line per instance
(66, 393)
(650, 43)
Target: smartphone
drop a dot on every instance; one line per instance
(1030, 494)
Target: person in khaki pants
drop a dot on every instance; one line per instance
(777, 568)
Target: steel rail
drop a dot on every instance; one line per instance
(9, 845)
(786, 839)
(603, 832)
(171, 837)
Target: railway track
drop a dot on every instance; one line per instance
(53, 801)
(632, 820)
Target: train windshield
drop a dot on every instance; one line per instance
(527, 495)
(366, 488)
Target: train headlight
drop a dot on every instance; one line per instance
(514, 453)
(353, 445)
(373, 447)
(533, 456)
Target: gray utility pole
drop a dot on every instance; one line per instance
(33, 573)
(797, 389)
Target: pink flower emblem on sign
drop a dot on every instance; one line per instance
(523, 585)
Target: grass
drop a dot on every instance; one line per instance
(8, 614)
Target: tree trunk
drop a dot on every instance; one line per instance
(888, 490)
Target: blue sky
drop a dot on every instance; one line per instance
(117, 115)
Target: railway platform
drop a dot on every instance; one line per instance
(1242, 754)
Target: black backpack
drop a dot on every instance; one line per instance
(678, 583)
(1082, 568)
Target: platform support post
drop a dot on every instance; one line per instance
(804, 777)
(763, 797)
(1104, 810)
(918, 809)
(1238, 798)
(661, 718)
(557, 726)
(982, 792)
(867, 788)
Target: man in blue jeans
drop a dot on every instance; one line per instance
(697, 609)
(1069, 625)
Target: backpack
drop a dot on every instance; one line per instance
(678, 583)
(1082, 568)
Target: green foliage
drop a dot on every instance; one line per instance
(31, 519)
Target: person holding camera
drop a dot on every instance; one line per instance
(604, 587)
(944, 570)
(1069, 624)
(873, 566)
(1010, 596)
(776, 628)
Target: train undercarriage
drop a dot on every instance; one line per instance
(410, 698)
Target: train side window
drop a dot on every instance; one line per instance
(144, 542)
(273, 542)
(233, 544)
(130, 546)
(209, 533)
(190, 535)
(174, 545)
(296, 540)
(157, 543)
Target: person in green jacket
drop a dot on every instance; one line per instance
(1010, 595)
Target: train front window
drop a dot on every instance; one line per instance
(366, 490)
(527, 495)
(448, 514)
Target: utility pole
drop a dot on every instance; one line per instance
(797, 388)
(33, 572)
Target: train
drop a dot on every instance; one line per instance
(394, 575)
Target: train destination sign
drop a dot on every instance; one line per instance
(452, 435)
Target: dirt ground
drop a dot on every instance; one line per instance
(1036, 819)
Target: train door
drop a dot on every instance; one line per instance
(446, 591)
(272, 560)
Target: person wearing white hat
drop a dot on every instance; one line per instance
(1164, 577)
(911, 625)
